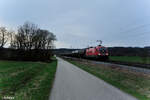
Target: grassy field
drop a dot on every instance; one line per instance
(132, 59)
(26, 80)
(135, 84)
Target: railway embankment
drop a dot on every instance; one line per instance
(142, 68)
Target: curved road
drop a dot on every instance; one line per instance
(72, 83)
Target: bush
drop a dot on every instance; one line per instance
(25, 55)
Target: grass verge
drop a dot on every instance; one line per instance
(131, 59)
(26, 80)
(135, 84)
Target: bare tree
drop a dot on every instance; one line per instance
(43, 39)
(29, 37)
(11, 35)
(3, 36)
(25, 35)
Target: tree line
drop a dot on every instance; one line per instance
(28, 37)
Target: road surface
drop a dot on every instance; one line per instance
(72, 83)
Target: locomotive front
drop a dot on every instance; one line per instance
(102, 53)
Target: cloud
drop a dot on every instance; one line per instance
(78, 22)
(60, 44)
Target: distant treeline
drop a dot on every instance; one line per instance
(28, 43)
(129, 51)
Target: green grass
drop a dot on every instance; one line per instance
(132, 59)
(134, 84)
(26, 80)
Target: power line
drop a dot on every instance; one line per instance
(134, 29)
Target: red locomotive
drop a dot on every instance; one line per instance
(98, 52)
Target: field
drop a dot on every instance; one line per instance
(131, 59)
(26, 80)
(134, 83)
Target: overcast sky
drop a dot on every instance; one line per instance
(79, 23)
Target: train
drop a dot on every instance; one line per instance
(99, 53)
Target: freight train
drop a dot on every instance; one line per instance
(99, 53)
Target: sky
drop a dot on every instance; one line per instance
(80, 23)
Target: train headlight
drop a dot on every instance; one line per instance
(99, 54)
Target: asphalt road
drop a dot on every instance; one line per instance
(72, 83)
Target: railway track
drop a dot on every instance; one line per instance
(144, 68)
